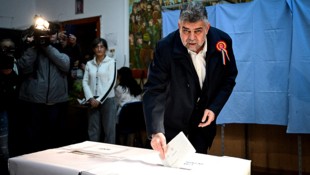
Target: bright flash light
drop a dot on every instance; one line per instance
(41, 24)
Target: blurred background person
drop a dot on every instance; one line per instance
(127, 89)
(69, 46)
(98, 85)
(67, 43)
(9, 83)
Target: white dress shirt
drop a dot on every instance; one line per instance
(199, 62)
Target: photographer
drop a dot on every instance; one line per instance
(68, 45)
(8, 96)
(44, 90)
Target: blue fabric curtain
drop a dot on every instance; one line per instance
(299, 77)
(271, 41)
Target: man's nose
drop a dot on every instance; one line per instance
(192, 36)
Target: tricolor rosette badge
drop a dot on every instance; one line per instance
(221, 46)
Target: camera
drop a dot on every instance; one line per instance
(39, 33)
(35, 37)
(41, 38)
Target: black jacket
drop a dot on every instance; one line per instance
(172, 94)
(9, 87)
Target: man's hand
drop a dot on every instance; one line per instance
(159, 144)
(208, 114)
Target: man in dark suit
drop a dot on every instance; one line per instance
(189, 81)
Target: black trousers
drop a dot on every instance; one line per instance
(44, 125)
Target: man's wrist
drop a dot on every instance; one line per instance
(153, 135)
(156, 134)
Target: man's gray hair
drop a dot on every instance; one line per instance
(193, 11)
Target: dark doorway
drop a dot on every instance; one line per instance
(86, 30)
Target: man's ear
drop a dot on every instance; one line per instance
(207, 27)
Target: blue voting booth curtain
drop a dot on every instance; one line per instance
(271, 42)
(299, 77)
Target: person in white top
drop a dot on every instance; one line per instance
(98, 85)
(127, 89)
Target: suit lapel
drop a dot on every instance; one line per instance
(181, 55)
(211, 63)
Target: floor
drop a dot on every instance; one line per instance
(261, 171)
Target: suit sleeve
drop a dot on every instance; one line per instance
(155, 90)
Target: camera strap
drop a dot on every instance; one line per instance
(111, 87)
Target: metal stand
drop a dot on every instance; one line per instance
(299, 155)
(246, 141)
(222, 138)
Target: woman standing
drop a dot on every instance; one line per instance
(98, 85)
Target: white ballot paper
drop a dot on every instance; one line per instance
(179, 150)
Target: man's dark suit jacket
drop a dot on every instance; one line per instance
(173, 100)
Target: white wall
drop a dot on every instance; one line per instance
(18, 14)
